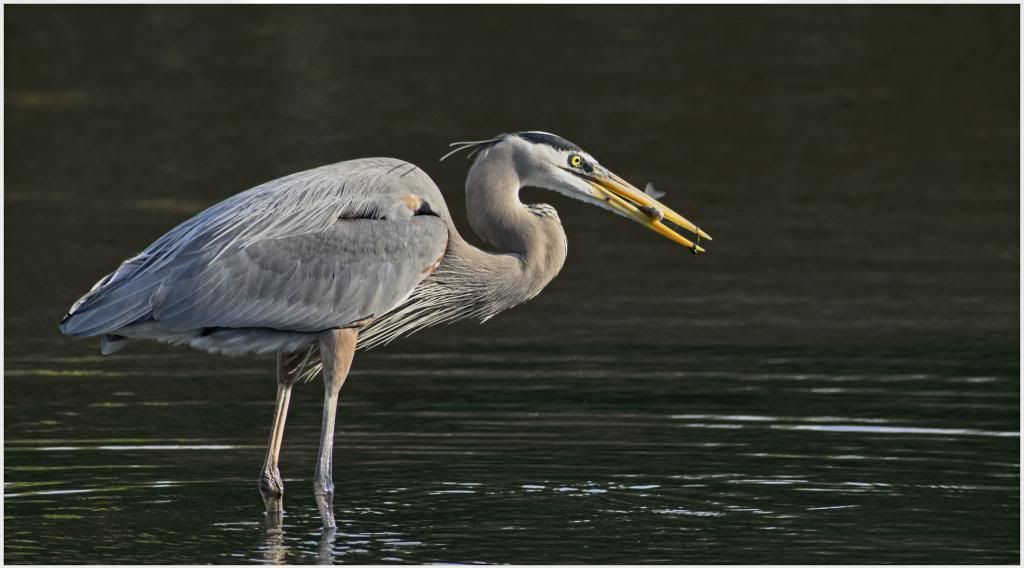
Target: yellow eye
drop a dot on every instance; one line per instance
(575, 160)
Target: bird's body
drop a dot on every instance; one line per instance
(271, 268)
(363, 251)
(338, 246)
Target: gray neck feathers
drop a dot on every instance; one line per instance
(531, 235)
(530, 249)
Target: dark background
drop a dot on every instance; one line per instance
(857, 166)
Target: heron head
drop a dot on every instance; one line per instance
(550, 162)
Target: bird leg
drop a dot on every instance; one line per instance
(289, 367)
(337, 347)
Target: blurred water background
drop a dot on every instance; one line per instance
(837, 380)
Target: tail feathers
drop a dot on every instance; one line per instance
(110, 343)
(96, 322)
(109, 312)
(117, 299)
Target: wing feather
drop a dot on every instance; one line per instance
(312, 251)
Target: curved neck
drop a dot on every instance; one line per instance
(493, 206)
(474, 283)
(530, 248)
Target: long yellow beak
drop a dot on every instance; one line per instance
(644, 209)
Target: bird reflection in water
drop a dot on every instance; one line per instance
(325, 548)
(275, 551)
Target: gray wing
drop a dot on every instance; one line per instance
(308, 252)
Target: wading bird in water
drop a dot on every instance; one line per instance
(351, 255)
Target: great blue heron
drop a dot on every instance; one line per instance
(351, 255)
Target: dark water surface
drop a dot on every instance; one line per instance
(837, 380)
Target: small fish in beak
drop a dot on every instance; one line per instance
(649, 190)
(650, 210)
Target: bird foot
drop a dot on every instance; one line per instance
(325, 504)
(272, 491)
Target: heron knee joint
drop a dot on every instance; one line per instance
(271, 484)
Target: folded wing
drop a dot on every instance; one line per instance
(316, 250)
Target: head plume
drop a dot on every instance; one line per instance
(473, 146)
(531, 136)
